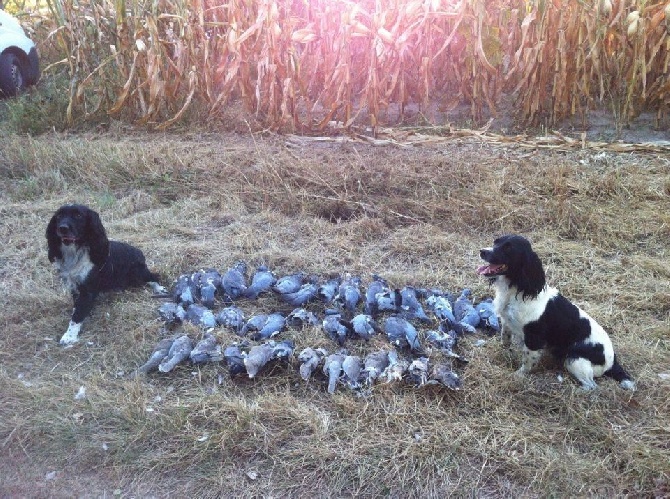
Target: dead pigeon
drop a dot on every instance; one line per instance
(179, 351)
(289, 283)
(261, 282)
(467, 317)
(441, 307)
(488, 315)
(444, 375)
(234, 281)
(206, 282)
(417, 372)
(444, 340)
(402, 333)
(184, 291)
(307, 292)
(328, 290)
(200, 316)
(377, 286)
(206, 350)
(310, 359)
(396, 369)
(352, 366)
(364, 326)
(388, 301)
(349, 293)
(336, 328)
(283, 350)
(160, 352)
(374, 365)
(171, 312)
(301, 317)
(332, 368)
(274, 324)
(231, 317)
(255, 323)
(410, 306)
(234, 358)
(258, 356)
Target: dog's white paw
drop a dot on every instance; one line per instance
(628, 384)
(71, 336)
(520, 373)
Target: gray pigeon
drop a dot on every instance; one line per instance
(283, 350)
(289, 283)
(349, 293)
(200, 316)
(161, 351)
(274, 324)
(258, 356)
(231, 317)
(442, 374)
(410, 306)
(441, 307)
(364, 326)
(466, 315)
(206, 350)
(374, 365)
(234, 358)
(401, 333)
(301, 317)
(171, 312)
(488, 315)
(332, 368)
(396, 369)
(377, 286)
(388, 301)
(234, 281)
(328, 290)
(255, 323)
(261, 282)
(444, 340)
(179, 351)
(336, 328)
(417, 372)
(183, 290)
(206, 283)
(352, 366)
(307, 292)
(310, 359)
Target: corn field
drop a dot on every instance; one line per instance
(303, 64)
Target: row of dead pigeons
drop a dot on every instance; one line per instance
(356, 373)
(351, 310)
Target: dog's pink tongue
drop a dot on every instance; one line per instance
(483, 269)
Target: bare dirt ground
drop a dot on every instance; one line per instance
(600, 221)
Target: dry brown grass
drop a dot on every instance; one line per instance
(599, 221)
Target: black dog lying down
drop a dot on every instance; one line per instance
(89, 263)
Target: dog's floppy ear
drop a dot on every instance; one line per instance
(532, 279)
(95, 238)
(53, 240)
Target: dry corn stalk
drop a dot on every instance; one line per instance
(303, 64)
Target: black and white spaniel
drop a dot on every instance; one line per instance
(89, 263)
(538, 317)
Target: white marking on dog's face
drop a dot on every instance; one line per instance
(71, 336)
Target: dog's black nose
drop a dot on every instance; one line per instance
(63, 229)
(484, 253)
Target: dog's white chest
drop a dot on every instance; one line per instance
(515, 312)
(74, 267)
